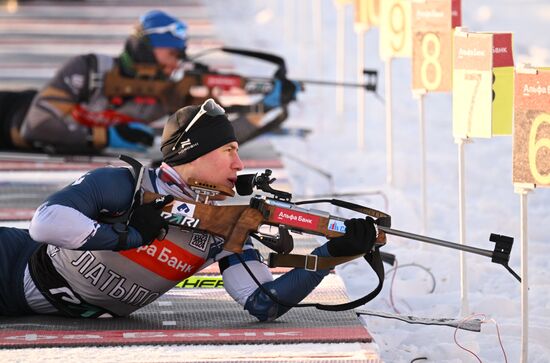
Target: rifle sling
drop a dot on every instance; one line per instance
(374, 260)
(137, 169)
(308, 262)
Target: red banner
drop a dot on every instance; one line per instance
(36, 338)
(502, 50)
(166, 259)
(296, 219)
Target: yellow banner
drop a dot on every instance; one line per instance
(503, 84)
(201, 282)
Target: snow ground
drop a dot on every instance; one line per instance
(287, 28)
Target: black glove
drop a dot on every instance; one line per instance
(290, 89)
(282, 93)
(148, 222)
(131, 135)
(359, 238)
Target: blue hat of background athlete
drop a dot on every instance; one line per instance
(163, 30)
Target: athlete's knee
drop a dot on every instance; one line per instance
(260, 305)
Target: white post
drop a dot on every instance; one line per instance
(304, 16)
(340, 59)
(317, 22)
(360, 91)
(289, 20)
(522, 190)
(389, 129)
(422, 132)
(462, 227)
(317, 27)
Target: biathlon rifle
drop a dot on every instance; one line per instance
(264, 84)
(235, 223)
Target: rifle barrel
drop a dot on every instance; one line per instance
(439, 242)
(332, 83)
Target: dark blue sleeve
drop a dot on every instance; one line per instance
(290, 288)
(100, 192)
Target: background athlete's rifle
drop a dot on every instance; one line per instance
(370, 85)
(264, 85)
(236, 222)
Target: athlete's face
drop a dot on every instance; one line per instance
(219, 166)
(167, 59)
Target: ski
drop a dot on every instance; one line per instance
(470, 324)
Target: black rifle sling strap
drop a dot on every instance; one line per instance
(374, 260)
(313, 263)
(308, 262)
(382, 218)
(137, 170)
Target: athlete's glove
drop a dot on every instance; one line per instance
(282, 93)
(147, 221)
(132, 135)
(359, 238)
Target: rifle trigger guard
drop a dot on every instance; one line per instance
(282, 243)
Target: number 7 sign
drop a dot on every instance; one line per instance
(472, 84)
(483, 84)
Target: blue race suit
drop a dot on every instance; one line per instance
(65, 263)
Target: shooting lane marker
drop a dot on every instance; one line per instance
(530, 162)
(395, 42)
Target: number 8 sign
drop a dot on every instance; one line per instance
(531, 151)
(431, 45)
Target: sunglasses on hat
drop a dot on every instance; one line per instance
(177, 29)
(210, 108)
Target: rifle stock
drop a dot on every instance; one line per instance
(234, 223)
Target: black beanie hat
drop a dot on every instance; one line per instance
(193, 131)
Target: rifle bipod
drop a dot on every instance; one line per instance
(500, 255)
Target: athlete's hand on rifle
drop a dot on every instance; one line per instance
(282, 93)
(359, 238)
(147, 221)
(132, 135)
